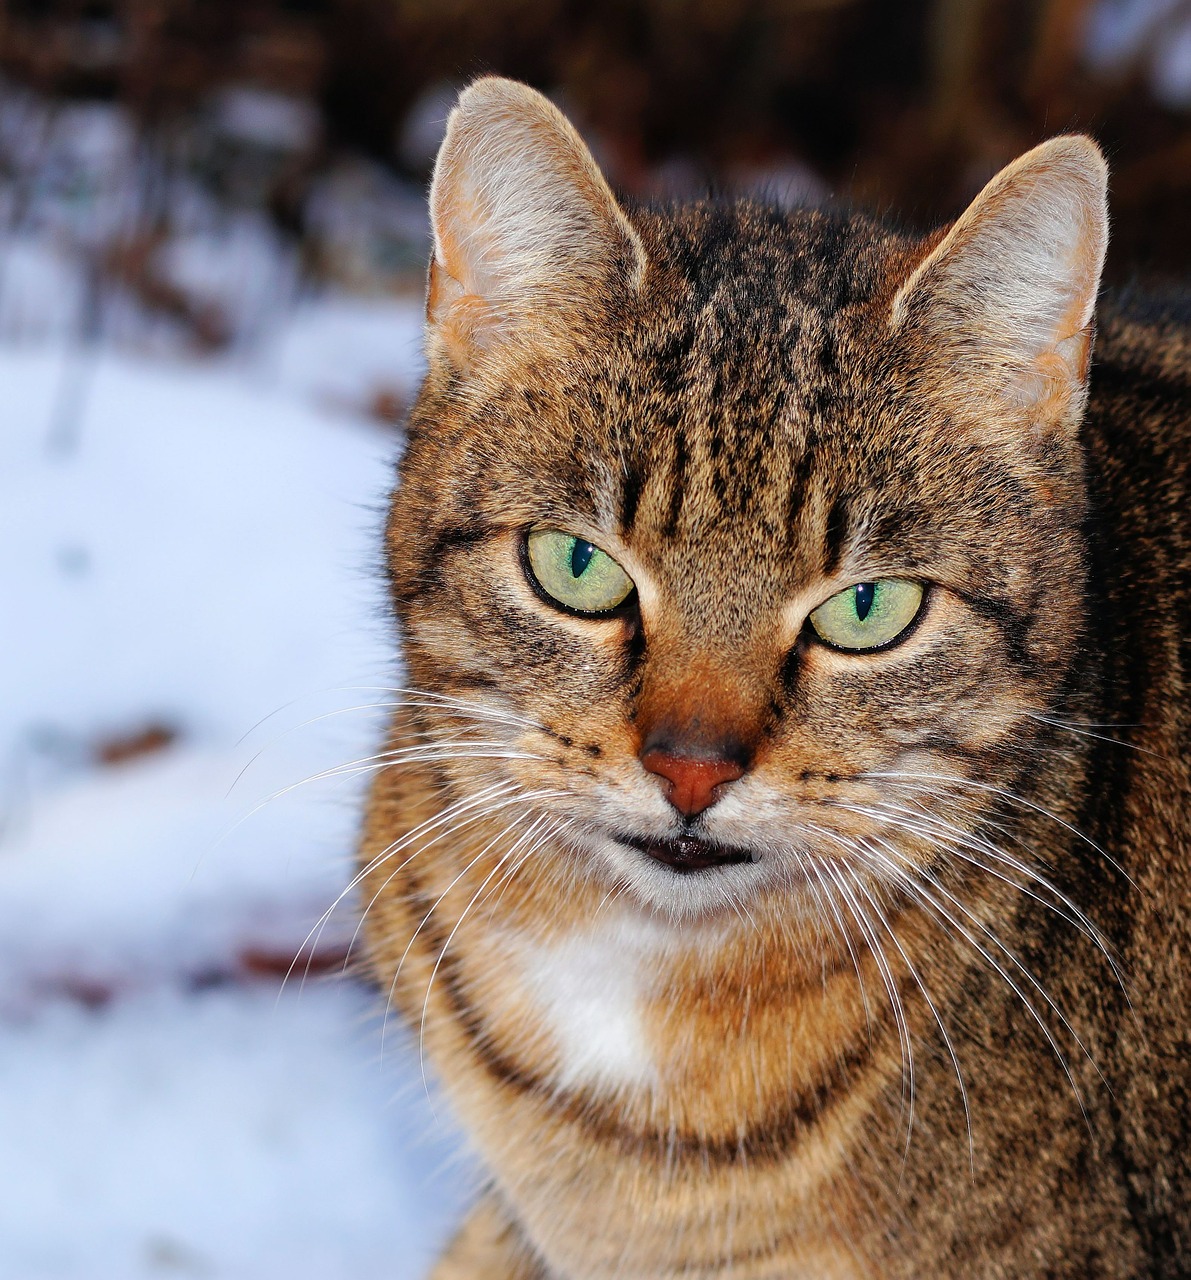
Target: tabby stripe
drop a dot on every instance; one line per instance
(429, 579)
(1014, 625)
(800, 479)
(630, 498)
(835, 535)
(456, 535)
(677, 482)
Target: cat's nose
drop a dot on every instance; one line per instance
(692, 782)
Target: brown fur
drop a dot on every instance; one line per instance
(751, 410)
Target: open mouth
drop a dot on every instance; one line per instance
(689, 853)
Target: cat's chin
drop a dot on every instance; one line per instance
(683, 878)
(687, 854)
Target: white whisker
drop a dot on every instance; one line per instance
(889, 981)
(914, 880)
(814, 866)
(1012, 798)
(1087, 731)
(959, 1076)
(523, 797)
(391, 850)
(525, 836)
(956, 842)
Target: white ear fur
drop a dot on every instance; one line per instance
(523, 220)
(1011, 289)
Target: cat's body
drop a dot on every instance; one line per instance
(971, 842)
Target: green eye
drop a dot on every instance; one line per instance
(576, 574)
(868, 615)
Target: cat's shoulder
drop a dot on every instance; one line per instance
(1138, 424)
(1144, 342)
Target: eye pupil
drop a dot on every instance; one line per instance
(865, 594)
(581, 553)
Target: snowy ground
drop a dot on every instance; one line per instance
(193, 563)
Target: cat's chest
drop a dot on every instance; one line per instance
(591, 993)
(583, 1005)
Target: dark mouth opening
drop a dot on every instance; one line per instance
(690, 853)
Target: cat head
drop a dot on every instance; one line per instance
(732, 533)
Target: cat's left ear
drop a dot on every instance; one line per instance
(1006, 300)
(529, 241)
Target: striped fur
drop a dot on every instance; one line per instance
(939, 1027)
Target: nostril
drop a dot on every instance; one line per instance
(692, 782)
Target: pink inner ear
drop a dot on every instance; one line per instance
(1061, 365)
(1057, 381)
(443, 291)
(466, 233)
(465, 323)
(1076, 353)
(462, 301)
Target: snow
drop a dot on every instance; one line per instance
(329, 353)
(198, 553)
(41, 292)
(217, 1134)
(1151, 35)
(274, 121)
(207, 550)
(240, 267)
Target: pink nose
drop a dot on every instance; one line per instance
(692, 783)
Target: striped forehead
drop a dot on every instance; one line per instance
(735, 507)
(741, 457)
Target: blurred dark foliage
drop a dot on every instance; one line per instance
(904, 105)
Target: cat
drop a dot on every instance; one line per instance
(782, 844)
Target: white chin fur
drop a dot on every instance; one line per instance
(686, 895)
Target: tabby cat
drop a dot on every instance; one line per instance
(782, 846)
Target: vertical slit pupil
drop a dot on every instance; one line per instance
(581, 553)
(865, 594)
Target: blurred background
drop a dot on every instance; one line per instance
(212, 248)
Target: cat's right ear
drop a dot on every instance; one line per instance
(1004, 302)
(527, 234)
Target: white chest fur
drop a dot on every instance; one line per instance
(590, 990)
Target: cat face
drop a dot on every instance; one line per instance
(735, 536)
